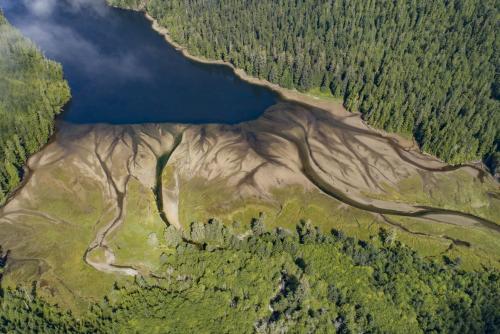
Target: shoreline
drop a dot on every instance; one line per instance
(284, 93)
(27, 171)
(335, 108)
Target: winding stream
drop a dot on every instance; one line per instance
(160, 166)
(418, 212)
(122, 72)
(435, 214)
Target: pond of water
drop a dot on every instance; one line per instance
(121, 71)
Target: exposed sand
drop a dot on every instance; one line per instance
(285, 94)
(289, 145)
(334, 107)
(314, 144)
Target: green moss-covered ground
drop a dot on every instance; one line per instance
(457, 190)
(303, 281)
(50, 236)
(199, 202)
(138, 242)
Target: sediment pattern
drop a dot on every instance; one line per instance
(81, 181)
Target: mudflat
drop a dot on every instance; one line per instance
(99, 196)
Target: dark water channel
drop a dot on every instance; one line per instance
(122, 72)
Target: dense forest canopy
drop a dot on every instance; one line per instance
(422, 68)
(32, 92)
(426, 69)
(213, 281)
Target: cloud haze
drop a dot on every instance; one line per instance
(64, 43)
(44, 8)
(40, 7)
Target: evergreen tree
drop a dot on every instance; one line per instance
(423, 68)
(32, 93)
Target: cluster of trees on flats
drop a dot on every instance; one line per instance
(305, 281)
(423, 68)
(32, 93)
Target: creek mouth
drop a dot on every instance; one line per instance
(175, 90)
(119, 154)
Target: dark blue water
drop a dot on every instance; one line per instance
(121, 71)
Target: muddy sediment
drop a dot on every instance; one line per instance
(290, 145)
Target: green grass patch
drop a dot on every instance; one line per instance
(53, 242)
(457, 190)
(138, 242)
(324, 95)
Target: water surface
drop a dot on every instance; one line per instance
(121, 71)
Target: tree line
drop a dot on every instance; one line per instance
(427, 69)
(32, 93)
(276, 281)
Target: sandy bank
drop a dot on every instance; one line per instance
(286, 94)
(334, 107)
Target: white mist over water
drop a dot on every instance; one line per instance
(63, 42)
(121, 71)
